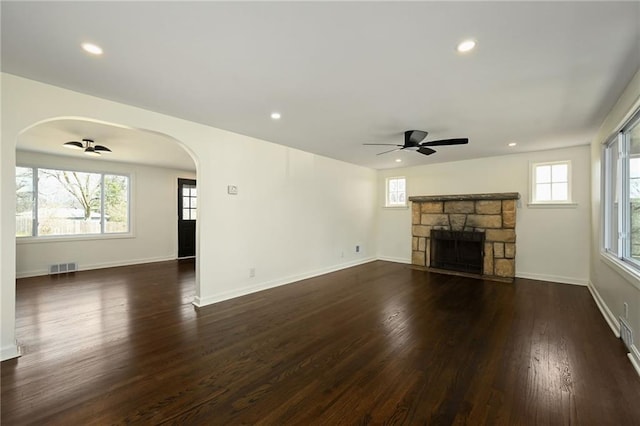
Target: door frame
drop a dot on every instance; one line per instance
(180, 223)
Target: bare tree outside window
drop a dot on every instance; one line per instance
(70, 202)
(24, 201)
(116, 203)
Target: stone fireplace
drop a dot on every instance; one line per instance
(455, 222)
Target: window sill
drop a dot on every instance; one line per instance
(405, 207)
(628, 272)
(552, 205)
(71, 238)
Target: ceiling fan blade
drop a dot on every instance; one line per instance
(73, 145)
(101, 148)
(393, 150)
(414, 137)
(382, 144)
(426, 151)
(444, 142)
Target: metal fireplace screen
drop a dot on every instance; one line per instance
(461, 251)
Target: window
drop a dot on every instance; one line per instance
(53, 202)
(396, 192)
(24, 202)
(551, 183)
(621, 187)
(189, 201)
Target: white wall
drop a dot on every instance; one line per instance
(611, 284)
(552, 243)
(296, 214)
(154, 219)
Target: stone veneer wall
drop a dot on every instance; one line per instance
(493, 214)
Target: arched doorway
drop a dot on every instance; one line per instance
(139, 155)
(150, 165)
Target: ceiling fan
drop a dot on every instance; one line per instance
(89, 147)
(414, 138)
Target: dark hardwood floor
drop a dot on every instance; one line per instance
(379, 343)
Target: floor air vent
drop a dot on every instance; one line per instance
(63, 268)
(626, 334)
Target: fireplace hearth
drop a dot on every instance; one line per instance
(460, 251)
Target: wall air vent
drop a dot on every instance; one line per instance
(63, 268)
(626, 334)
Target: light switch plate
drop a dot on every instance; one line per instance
(232, 190)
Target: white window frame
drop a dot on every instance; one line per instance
(533, 200)
(387, 192)
(102, 235)
(621, 256)
(607, 183)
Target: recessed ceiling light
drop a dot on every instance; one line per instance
(513, 144)
(398, 160)
(466, 46)
(92, 48)
(275, 115)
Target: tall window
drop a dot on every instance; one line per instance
(551, 182)
(621, 176)
(612, 192)
(396, 191)
(53, 202)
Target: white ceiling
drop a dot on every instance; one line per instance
(128, 145)
(544, 74)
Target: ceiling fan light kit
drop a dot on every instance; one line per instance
(91, 151)
(413, 140)
(88, 146)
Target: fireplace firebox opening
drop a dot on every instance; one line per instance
(461, 251)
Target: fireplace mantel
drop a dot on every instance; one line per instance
(493, 214)
(464, 197)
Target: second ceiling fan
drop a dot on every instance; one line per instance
(414, 138)
(88, 146)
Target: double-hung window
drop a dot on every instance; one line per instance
(621, 194)
(52, 202)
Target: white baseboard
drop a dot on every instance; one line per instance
(605, 311)
(220, 297)
(553, 278)
(113, 264)
(395, 259)
(634, 357)
(9, 352)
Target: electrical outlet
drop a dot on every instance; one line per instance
(357, 249)
(252, 272)
(626, 310)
